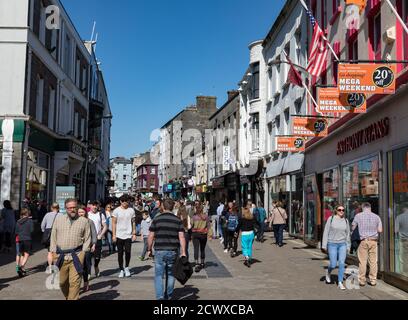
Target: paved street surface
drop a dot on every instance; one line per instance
(292, 272)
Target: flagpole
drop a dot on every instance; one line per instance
(304, 86)
(324, 37)
(397, 15)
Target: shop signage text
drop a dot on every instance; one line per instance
(331, 100)
(370, 134)
(367, 78)
(290, 144)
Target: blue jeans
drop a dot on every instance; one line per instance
(337, 253)
(164, 261)
(278, 231)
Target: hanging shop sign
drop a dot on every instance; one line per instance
(291, 144)
(331, 100)
(226, 158)
(374, 132)
(367, 78)
(310, 127)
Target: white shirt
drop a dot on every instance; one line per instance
(96, 219)
(220, 209)
(124, 219)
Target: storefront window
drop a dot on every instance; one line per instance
(330, 192)
(37, 176)
(296, 219)
(312, 207)
(360, 184)
(400, 210)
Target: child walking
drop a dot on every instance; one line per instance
(145, 226)
(24, 230)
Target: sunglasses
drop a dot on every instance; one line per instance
(341, 210)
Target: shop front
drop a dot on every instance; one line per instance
(365, 160)
(218, 189)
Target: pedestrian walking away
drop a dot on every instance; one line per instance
(124, 232)
(233, 231)
(24, 230)
(369, 226)
(278, 222)
(201, 225)
(145, 226)
(9, 224)
(88, 255)
(99, 221)
(247, 226)
(70, 240)
(213, 213)
(167, 234)
(46, 227)
(187, 224)
(220, 210)
(260, 216)
(337, 242)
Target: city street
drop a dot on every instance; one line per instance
(294, 271)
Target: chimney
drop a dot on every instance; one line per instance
(208, 103)
(231, 94)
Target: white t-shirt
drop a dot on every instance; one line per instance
(96, 218)
(124, 222)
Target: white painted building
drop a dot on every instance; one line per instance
(121, 174)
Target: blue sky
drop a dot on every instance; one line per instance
(158, 55)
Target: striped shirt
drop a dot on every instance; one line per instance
(166, 228)
(368, 224)
(69, 234)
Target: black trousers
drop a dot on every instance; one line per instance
(98, 252)
(232, 241)
(199, 243)
(87, 266)
(124, 246)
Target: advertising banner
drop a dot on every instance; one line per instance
(291, 144)
(310, 127)
(62, 194)
(331, 100)
(369, 78)
(226, 158)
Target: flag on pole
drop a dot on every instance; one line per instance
(294, 76)
(318, 52)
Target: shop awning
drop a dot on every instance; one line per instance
(291, 163)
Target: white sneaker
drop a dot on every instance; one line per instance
(222, 240)
(127, 272)
(121, 274)
(328, 278)
(341, 286)
(226, 250)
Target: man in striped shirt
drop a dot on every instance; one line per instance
(369, 226)
(167, 233)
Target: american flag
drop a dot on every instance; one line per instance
(318, 51)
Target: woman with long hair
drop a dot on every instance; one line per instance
(186, 220)
(108, 214)
(336, 241)
(201, 225)
(247, 226)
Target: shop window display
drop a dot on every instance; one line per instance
(400, 210)
(312, 207)
(37, 176)
(330, 192)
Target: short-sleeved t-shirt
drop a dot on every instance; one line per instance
(166, 228)
(124, 218)
(98, 219)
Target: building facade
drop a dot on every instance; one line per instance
(147, 178)
(181, 140)
(284, 176)
(44, 102)
(342, 168)
(121, 175)
(223, 174)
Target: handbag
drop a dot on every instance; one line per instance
(286, 228)
(46, 237)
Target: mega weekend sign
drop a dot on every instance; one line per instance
(290, 144)
(331, 100)
(367, 78)
(310, 127)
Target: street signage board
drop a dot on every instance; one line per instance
(291, 144)
(63, 193)
(368, 78)
(310, 127)
(226, 158)
(331, 100)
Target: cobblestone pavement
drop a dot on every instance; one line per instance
(294, 271)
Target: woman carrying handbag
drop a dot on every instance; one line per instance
(278, 222)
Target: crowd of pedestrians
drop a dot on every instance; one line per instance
(168, 229)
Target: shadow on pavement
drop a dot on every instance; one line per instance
(138, 270)
(304, 247)
(101, 285)
(108, 295)
(186, 293)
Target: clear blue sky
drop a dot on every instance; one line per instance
(158, 55)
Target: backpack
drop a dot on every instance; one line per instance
(232, 222)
